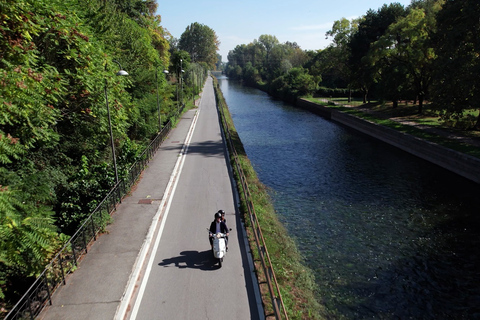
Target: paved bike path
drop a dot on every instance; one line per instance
(182, 280)
(95, 289)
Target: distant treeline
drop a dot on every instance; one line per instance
(427, 51)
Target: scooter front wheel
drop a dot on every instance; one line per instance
(220, 262)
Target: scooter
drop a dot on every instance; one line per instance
(219, 247)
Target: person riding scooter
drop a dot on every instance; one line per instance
(217, 226)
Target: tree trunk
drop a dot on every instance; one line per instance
(395, 104)
(420, 104)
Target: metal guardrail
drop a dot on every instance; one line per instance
(273, 287)
(66, 261)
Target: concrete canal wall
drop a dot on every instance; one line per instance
(457, 162)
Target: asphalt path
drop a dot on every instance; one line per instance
(180, 279)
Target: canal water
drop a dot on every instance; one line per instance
(388, 235)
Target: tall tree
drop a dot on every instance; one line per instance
(201, 42)
(268, 43)
(338, 52)
(403, 56)
(456, 87)
(372, 26)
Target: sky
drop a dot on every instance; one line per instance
(242, 21)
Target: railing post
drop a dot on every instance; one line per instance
(74, 255)
(48, 289)
(119, 195)
(93, 230)
(85, 240)
(30, 307)
(61, 269)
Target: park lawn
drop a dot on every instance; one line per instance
(385, 114)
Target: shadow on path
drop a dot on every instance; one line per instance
(192, 259)
(206, 148)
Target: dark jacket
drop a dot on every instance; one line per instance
(223, 227)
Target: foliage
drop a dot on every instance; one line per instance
(58, 60)
(201, 42)
(337, 54)
(456, 88)
(371, 27)
(27, 233)
(28, 91)
(297, 82)
(268, 60)
(406, 55)
(427, 51)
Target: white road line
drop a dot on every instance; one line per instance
(166, 200)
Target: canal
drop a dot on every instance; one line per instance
(388, 235)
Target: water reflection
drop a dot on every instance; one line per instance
(388, 235)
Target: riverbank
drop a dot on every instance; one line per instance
(452, 150)
(295, 279)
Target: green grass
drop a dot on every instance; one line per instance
(384, 114)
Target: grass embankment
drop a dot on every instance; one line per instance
(296, 281)
(384, 114)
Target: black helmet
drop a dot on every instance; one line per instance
(218, 215)
(221, 212)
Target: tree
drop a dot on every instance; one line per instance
(219, 63)
(28, 236)
(267, 43)
(251, 76)
(201, 42)
(404, 56)
(338, 52)
(406, 43)
(56, 60)
(456, 87)
(293, 84)
(135, 9)
(371, 27)
(243, 56)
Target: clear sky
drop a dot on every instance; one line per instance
(241, 21)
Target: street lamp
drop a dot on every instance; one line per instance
(158, 103)
(181, 91)
(193, 87)
(119, 73)
(179, 74)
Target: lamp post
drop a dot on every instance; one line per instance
(181, 84)
(181, 91)
(119, 73)
(193, 87)
(178, 79)
(158, 103)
